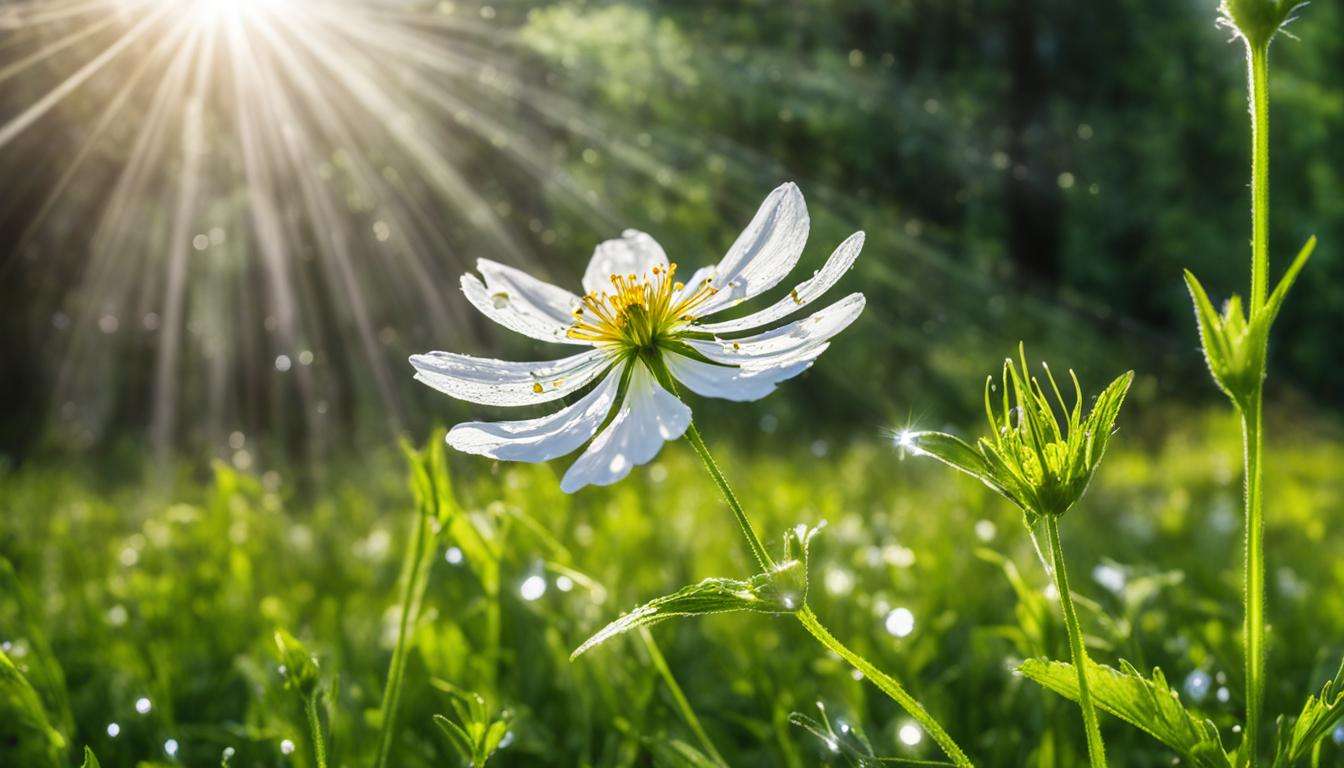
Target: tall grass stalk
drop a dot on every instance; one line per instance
(813, 625)
(679, 697)
(1096, 750)
(415, 579)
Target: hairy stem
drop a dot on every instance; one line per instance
(885, 682)
(1251, 410)
(678, 697)
(414, 569)
(1258, 64)
(315, 726)
(1096, 751)
(749, 533)
(1254, 628)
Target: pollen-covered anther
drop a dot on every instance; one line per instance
(637, 312)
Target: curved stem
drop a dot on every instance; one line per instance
(749, 533)
(1258, 75)
(315, 726)
(1254, 627)
(414, 568)
(683, 705)
(884, 681)
(1096, 751)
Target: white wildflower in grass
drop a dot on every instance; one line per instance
(645, 327)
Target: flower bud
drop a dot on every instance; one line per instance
(1258, 20)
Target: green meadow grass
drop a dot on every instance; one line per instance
(174, 595)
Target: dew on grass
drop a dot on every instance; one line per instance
(1197, 685)
(533, 588)
(564, 583)
(170, 747)
(900, 622)
(287, 747)
(1110, 576)
(985, 530)
(143, 705)
(910, 735)
(113, 730)
(453, 556)
(1223, 695)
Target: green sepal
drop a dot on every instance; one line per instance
(90, 760)
(1147, 703)
(1236, 346)
(298, 667)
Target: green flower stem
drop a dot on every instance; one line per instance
(315, 726)
(1254, 628)
(1096, 751)
(414, 570)
(1258, 64)
(683, 705)
(814, 626)
(1251, 412)
(884, 681)
(749, 533)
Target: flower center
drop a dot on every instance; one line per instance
(636, 312)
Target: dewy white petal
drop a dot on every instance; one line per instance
(793, 343)
(544, 438)
(535, 296)
(634, 253)
(764, 253)
(648, 417)
(501, 382)
(805, 293)
(729, 382)
(510, 310)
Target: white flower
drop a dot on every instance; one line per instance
(644, 330)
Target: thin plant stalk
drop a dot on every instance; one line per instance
(1096, 750)
(415, 570)
(885, 682)
(1251, 413)
(679, 698)
(813, 625)
(315, 727)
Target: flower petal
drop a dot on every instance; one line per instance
(793, 343)
(511, 310)
(765, 251)
(648, 417)
(805, 293)
(540, 296)
(727, 381)
(544, 438)
(501, 382)
(634, 253)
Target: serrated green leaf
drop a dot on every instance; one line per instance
(758, 595)
(1149, 704)
(1319, 714)
(1216, 353)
